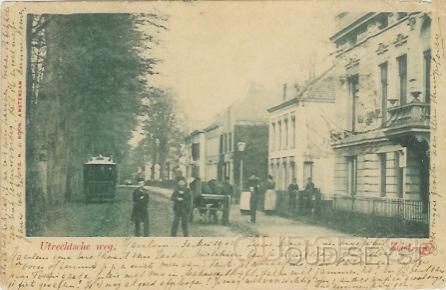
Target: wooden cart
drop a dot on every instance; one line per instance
(211, 204)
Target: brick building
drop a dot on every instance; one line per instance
(382, 108)
(244, 121)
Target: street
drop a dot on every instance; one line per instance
(112, 219)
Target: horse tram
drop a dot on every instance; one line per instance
(100, 177)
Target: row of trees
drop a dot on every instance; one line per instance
(163, 134)
(86, 86)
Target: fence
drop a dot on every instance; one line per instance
(410, 210)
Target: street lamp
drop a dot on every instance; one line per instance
(157, 166)
(241, 148)
(155, 159)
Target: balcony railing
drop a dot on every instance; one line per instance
(410, 210)
(411, 115)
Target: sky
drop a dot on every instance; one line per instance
(213, 51)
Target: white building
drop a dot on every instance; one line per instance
(383, 109)
(299, 143)
(195, 155)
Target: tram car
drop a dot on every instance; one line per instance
(100, 177)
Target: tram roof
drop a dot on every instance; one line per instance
(100, 160)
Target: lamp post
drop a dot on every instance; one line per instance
(155, 159)
(241, 148)
(157, 166)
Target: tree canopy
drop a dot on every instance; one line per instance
(87, 75)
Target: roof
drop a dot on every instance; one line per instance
(351, 21)
(250, 108)
(193, 134)
(321, 89)
(101, 160)
(211, 127)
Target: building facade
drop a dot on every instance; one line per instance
(195, 155)
(382, 109)
(244, 121)
(212, 136)
(299, 130)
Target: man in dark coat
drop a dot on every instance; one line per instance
(293, 190)
(317, 202)
(196, 191)
(309, 191)
(227, 187)
(140, 212)
(181, 207)
(253, 185)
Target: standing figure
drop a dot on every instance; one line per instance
(215, 188)
(270, 196)
(140, 212)
(228, 189)
(196, 190)
(253, 185)
(293, 190)
(317, 202)
(309, 192)
(181, 207)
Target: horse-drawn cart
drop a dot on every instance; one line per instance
(209, 205)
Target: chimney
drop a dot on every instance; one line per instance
(284, 91)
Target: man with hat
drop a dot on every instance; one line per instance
(181, 207)
(140, 212)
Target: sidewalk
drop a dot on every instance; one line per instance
(266, 225)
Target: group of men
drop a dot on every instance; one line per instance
(308, 200)
(184, 200)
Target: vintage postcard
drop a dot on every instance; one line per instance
(222, 145)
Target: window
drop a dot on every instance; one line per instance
(402, 72)
(353, 39)
(293, 132)
(279, 175)
(383, 74)
(383, 21)
(285, 175)
(293, 170)
(402, 15)
(308, 170)
(352, 175)
(195, 151)
(222, 143)
(383, 173)
(273, 137)
(427, 75)
(196, 170)
(286, 133)
(353, 88)
(399, 175)
(279, 143)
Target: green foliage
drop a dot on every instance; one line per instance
(87, 75)
(160, 124)
(99, 74)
